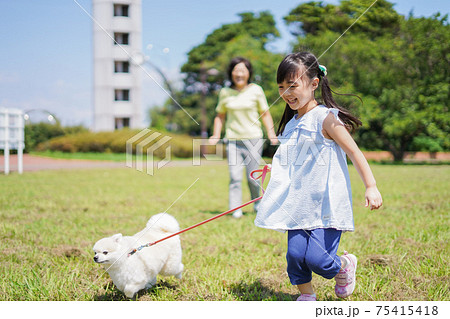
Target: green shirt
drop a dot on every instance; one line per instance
(242, 109)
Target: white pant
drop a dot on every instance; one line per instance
(243, 153)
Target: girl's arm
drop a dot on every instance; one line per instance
(218, 124)
(334, 130)
(266, 118)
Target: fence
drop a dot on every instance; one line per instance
(12, 136)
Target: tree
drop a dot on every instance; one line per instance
(259, 27)
(397, 65)
(246, 38)
(316, 17)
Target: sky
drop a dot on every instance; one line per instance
(46, 46)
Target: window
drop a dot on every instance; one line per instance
(121, 38)
(121, 10)
(120, 123)
(121, 95)
(13, 133)
(13, 120)
(121, 67)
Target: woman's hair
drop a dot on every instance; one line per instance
(235, 61)
(289, 69)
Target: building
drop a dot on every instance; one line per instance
(117, 35)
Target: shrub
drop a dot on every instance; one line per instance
(115, 142)
(40, 132)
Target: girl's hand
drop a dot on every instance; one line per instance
(273, 139)
(373, 198)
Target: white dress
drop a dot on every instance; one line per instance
(309, 186)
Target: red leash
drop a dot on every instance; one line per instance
(263, 174)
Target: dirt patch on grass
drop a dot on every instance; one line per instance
(211, 250)
(260, 289)
(404, 290)
(269, 241)
(407, 241)
(67, 251)
(380, 260)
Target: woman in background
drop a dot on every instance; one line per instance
(240, 107)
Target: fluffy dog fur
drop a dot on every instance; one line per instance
(139, 271)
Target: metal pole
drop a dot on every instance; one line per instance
(6, 142)
(20, 143)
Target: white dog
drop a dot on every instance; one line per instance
(138, 271)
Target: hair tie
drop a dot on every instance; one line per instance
(323, 70)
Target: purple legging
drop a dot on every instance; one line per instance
(312, 251)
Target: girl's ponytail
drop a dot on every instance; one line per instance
(350, 121)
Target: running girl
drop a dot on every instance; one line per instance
(309, 193)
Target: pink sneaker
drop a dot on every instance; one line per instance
(345, 279)
(307, 297)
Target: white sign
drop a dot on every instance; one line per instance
(12, 135)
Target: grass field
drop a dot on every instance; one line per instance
(51, 219)
(114, 157)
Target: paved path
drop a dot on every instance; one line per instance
(39, 163)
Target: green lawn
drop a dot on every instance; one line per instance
(115, 157)
(51, 219)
